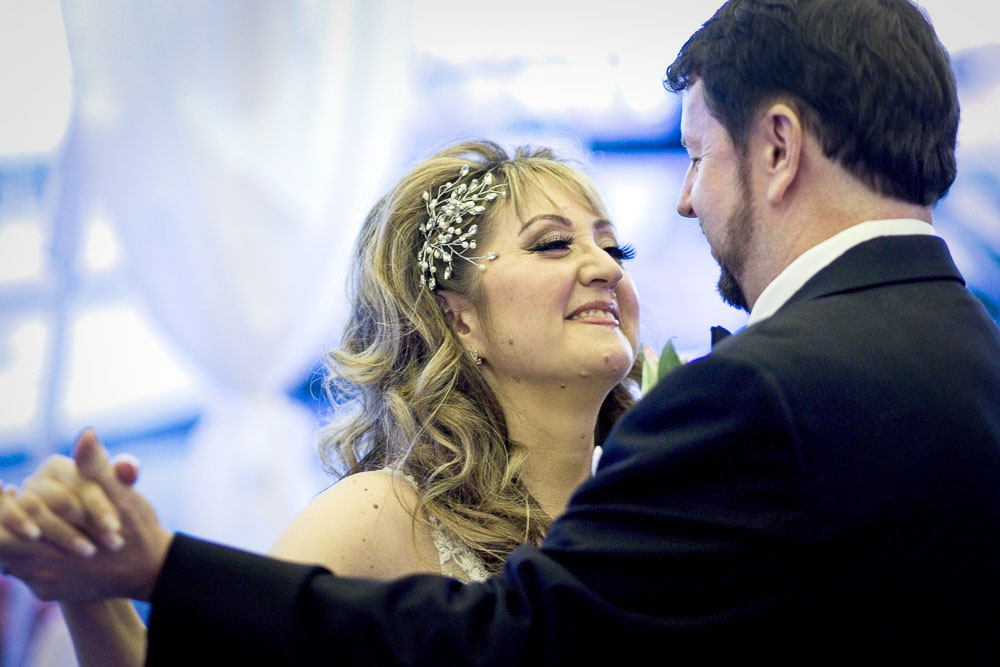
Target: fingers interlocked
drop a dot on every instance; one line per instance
(65, 508)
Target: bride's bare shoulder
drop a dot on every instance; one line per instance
(361, 526)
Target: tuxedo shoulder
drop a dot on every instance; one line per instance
(744, 362)
(733, 390)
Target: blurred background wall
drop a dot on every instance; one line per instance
(181, 183)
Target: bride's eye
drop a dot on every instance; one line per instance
(552, 243)
(621, 252)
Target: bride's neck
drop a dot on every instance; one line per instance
(558, 431)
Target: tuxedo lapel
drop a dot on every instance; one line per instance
(882, 261)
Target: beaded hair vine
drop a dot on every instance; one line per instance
(444, 235)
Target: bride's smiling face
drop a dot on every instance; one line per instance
(557, 305)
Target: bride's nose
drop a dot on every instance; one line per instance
(598, 266)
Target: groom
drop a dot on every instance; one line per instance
(824, 487)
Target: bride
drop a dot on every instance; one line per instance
(491, 345)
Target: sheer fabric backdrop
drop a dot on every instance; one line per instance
(229, 142)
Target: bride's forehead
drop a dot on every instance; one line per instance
(547, 197)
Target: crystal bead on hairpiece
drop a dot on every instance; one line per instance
(447, 233)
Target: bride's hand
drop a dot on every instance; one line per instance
(66, 509)
(77, 507)
(15, 523)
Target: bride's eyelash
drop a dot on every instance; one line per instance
(621, 251)
(552, 243)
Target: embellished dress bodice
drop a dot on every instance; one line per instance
(454, 556)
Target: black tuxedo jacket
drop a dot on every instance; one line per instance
(823, 488)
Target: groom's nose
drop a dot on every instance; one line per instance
(684, 207)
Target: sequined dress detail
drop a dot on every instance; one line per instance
(455, 557)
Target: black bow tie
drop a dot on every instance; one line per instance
(719, 334)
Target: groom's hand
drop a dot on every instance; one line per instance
(76, 504)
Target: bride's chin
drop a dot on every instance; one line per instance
(611, 366)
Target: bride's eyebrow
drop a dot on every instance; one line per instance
(554, 217)
(602, 224)
(599, 224)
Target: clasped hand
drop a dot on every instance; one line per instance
(77, 530)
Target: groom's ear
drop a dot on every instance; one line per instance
(780, 150)
(461, 315)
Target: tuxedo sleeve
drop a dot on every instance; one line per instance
(217, 605)
(680, 536)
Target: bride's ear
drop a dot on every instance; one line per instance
(461, 316)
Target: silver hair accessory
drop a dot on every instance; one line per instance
(444, 236)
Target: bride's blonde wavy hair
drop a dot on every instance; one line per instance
(414, 400)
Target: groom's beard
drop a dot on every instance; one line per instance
(739, 234)
(730, 290)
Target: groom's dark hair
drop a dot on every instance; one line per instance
(868, 78)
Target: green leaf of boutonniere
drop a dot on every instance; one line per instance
(655, 367)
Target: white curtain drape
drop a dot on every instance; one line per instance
(232, 143)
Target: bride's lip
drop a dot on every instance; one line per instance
(604, 306)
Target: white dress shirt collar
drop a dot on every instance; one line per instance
(812, 261)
